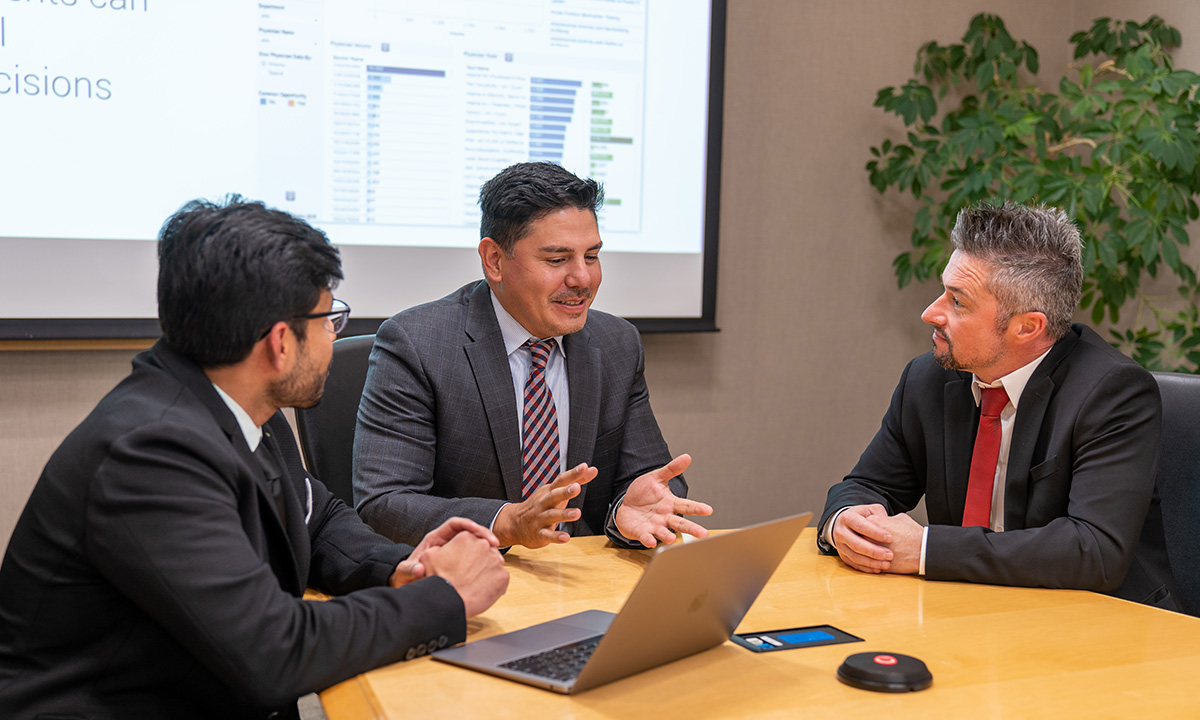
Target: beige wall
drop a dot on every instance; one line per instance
(778, 405)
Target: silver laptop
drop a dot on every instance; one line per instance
(691, 598)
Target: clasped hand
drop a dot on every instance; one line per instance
(463, 553)
(868, 539)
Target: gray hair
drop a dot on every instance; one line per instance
(1034, 254)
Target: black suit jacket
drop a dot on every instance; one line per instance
(150, 575)
(1080, 506)
(438, 434)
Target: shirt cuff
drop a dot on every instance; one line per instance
(924, 543)
(492, 524)
(827, 531)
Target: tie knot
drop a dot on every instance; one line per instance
(992, 401)
(541, 352)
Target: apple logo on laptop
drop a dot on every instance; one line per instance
(698, 602)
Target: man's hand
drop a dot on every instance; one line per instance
(867, 539)
(534, 522)
(473, 566)
(906, 543)
(412, 568)
(650, 511)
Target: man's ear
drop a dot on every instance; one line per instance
(491, 255)
(278, 346)
(1028, 326)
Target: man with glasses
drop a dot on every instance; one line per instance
(159, 566)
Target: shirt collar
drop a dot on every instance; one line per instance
(515, 334)
(1013, 383)
(252, 432)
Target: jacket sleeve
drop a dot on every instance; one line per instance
(886, 472)
(165, 526)
(396, 446)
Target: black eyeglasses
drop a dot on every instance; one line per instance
(336, 318)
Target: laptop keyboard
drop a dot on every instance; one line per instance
(562, 663)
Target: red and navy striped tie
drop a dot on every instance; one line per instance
(539, 456)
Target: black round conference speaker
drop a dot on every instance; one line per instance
(885, 672)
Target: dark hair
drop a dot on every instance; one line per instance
(1034, 254)
(228, 271)
(526, 192)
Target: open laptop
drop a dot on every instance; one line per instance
(691, 598)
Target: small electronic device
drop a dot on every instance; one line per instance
(885, 672)
(811, 636)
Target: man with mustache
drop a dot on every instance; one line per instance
(1033, 442)
(509, 403)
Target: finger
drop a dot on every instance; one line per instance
(581, 473)
(862, 546)
(553, 516)
(865, 526)
(683, 506)
(560, 496)
(684, 525)
(550, 535)
(671, 469)
(647, 539)
(665, 535)
(455, 525)
(861, 562)
(407, 571)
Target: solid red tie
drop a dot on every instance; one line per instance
(539, 452)
(978, 509)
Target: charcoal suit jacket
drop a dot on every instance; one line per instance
(438, 432)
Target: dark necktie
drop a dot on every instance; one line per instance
(539, 451)
(274, 475)
(978, 509)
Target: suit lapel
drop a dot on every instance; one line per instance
(295, 510)
(1035, 399)
(583, 381)
(962, 419)
(489, 365)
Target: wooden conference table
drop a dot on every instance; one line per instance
(994, 652)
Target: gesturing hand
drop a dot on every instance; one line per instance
(534, 522)
(650, 511)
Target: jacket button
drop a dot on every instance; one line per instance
(421, 649)
(443, 641)
(412, 653)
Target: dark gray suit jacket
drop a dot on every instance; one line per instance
(438, 434)
(1080, 506)
(150, 575)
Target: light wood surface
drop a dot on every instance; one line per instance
(994, 652)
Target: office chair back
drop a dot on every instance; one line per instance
(1179, 482)
(327, 430)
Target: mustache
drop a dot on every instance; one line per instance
(575, 294)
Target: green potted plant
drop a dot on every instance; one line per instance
(1116, 147)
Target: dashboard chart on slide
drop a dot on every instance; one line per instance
(377, 121)
(417, 104)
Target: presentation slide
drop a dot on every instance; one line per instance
(375, 120)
